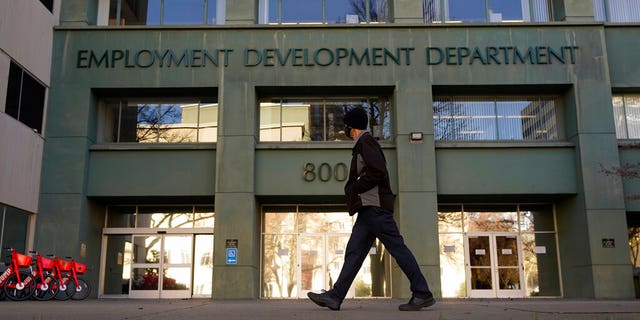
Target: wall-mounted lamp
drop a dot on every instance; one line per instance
(416, 137)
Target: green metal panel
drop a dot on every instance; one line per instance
(506, 171)
(151, 173)
(282, 172)
(622, 56)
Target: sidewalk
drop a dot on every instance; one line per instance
(359, 309)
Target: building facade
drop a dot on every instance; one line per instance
(25, 73)
(195, 148)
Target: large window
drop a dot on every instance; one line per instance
(486, 118)
(617, 10)
(482, 11)
(319, 118)
(531, 225)
(25, 97)
(166, 12)
(303, 250)
(13, 229)
(323, 11)
(158, 121)
(626, 111)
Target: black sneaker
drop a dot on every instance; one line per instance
(324, 300)
(415, 304)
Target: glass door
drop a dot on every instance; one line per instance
(161, 266)
(311, 263)
(494, 268)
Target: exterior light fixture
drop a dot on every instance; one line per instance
(416, 137)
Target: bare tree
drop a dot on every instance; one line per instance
(628, 171)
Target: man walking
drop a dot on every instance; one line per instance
(368, 193)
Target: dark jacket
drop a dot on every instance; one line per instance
(368, 183)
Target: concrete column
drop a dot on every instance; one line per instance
(237, 216)
(572, 10)
(78, 13)
(417, 204)
(68, 224)
(406, 11)
(242, 12)
(589, 268)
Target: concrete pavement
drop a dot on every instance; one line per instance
(358, 309)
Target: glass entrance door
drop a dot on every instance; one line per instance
(321, 259)
(161, 266)
(494, 268)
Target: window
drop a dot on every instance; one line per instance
(25, 97)
(533, 224)
(481, 11)
(166, 12)
(323, 11)
(319, 119)
(13, 229)
(484, 118)
(617, 10)
(176, 120)
(626, 112)
(48, 4)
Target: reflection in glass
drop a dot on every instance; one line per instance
(144, 279)
(146, 249)
(150, 122)
(311, 263)
(449, 221)
(508, 262)
(452, 266)
(317, 238)
(177, 249)
(163, 12)
(536, 218)
(466, 11)
(279, 266)
(118, 259)
(481, 278)
(542, 277)
(479, 251)
(505, 11)
(183, 12)
(323, 11)
(480, 262)
(509, 278)
(203, 265)
(475, 118)
(294, 11)
(318, 119)
(176, 278)
(491, 221)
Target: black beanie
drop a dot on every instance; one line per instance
(356, 118)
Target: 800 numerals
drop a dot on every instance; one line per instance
(325, 172)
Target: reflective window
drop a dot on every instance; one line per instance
(478, 118)
(166, 12)
(25, 97)
(13, 229)
(319, 119)
(323, 11)
(303, 249)
(160, 217)
(626, 112)
(152, 121)
(483, 11)
(617, 10)
(533, 223)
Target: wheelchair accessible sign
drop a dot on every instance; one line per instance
(232, 251)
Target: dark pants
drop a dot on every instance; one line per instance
(372, 223)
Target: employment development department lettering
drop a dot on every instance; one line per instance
(306, 57)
